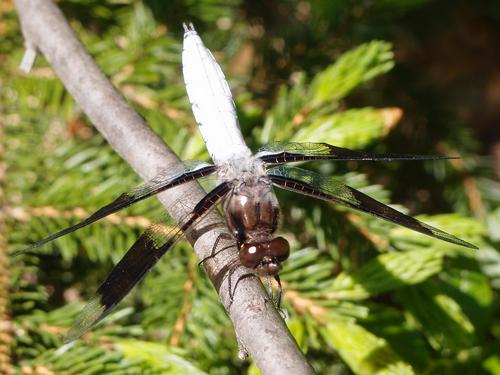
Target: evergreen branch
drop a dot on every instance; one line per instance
(158, 357)
(385, 273)
(5, 319)
(471, 189)
(374, 238)
(146, 100)
(353, 68)
(45, 27)
(5, 316)
(186, 306)
(365, 353)
(352, 128)
(25, 214)
(305, 305)
(474, 197)
(354, 343)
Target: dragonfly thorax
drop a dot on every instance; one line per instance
(252, 210)
(242, 170)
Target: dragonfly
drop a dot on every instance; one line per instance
(245, 189)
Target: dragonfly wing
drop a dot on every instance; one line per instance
(287, 152)
(192, 170)
(138, 260)
(328, 189)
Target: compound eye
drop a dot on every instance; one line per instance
(279, 248)
(251, 254)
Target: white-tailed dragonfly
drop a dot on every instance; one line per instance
(245, 188)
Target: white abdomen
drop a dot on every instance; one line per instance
(211, 100)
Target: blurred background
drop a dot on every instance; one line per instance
(362, 296)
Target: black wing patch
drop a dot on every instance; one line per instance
(138, 260)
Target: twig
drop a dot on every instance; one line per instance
(471, 189)
(259, 327)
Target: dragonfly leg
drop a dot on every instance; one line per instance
(269, 285)
(213, 252)
(283, 313)
(280, 291)
(232, 290)
(229, 287)
(270, 291)
(242, 350)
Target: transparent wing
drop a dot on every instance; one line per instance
(138, 260)
(328, 189)
(192, 170)
(287, 152)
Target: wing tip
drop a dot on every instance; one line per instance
(26, 250)
(468, 245)
(93, 312)
(71, 335)
(17, 253)
(444, 236)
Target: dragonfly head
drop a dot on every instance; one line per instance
(265, 257)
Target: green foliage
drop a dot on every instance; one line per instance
(362, 296)
(352, 69)
(311, 108)
(387, 272)
(364, 352)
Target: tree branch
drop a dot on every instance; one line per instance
(258, 326)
